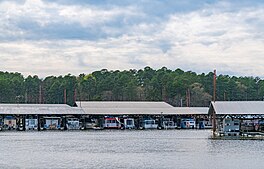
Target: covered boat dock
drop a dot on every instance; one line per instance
(36, 116)
(96, 114)
(160, 113)
(236, 118)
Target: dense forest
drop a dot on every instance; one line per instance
(176, 87)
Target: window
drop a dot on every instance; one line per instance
(150, 122)
(32, 122)
(129, 122)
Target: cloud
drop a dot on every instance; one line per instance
(60, 37)
(36, 19)
(211, 38)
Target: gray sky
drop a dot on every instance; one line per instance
(57, 37)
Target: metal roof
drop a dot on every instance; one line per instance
(137, 108)
(125, 107)
(39, 109)
(102, 108)
(191, 110)
(237, 107)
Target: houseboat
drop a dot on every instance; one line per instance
(188, 123)
(253, 125)
(129, 123)
(247, 126)
(112, 123)
(31, 124)
(204, 124)
(261, 125)
(89, 123)
(72, 123)
(166, 123)
(148, 123)
(52, 123)
(229, 126)
(169, 124)
(10, 123)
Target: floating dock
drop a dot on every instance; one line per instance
(243, 120)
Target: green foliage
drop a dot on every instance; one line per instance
(129, 85)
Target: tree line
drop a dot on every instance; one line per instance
(176, 87)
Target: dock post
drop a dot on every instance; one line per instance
(214, 99)
(214, 122)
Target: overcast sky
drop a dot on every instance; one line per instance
(57, 37)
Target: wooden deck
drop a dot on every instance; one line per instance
(243, 136)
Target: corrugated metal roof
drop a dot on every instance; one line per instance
(191, 110)
(102, 108)
(237, 107)
(122, 104)
(39, 109)
(124, 107)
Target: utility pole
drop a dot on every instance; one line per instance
(214, 99)
(214, 94)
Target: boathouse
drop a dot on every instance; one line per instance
(97, 115)
(144, 115)
(36, 116)
(148, 114)
(237, 117)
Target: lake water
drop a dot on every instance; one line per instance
(180, 149)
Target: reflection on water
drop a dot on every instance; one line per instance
(127, 149)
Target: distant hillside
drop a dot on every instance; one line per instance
(129, 85)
